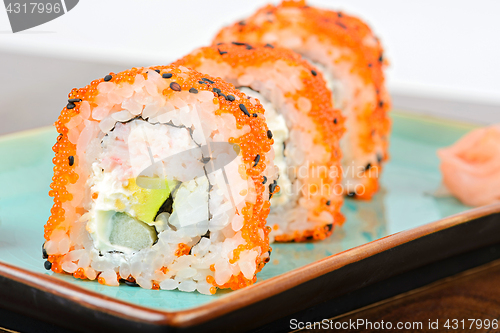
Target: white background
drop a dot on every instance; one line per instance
(441, 48)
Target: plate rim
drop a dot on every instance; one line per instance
(240, 298)
(251, 294)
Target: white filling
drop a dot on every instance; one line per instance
(136, 149)
(277, 125)
(191, 203)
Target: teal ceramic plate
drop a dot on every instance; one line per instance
(405, 201)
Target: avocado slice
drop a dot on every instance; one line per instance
(150, 194)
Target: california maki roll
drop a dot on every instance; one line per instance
(158, 183)
(304, 127)
(352, 61)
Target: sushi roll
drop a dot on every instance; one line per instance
(158, 183)
(304, 127)
(351, 59)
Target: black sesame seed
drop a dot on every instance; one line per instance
(219, 44)
(207, 80)
(381, 58)
(269, 134)
(265, 180)
(71, 160)
(313, 72)
(239, 43)
(241, 22)
(370, 65)
(328, 203)
(107, 78)
(342, 25)
(368, 166)
(219, 92)
(329, 227)
(131, 284)
(167, 75)
(221, 52)
(256, 160)
(70, 106)
(175, 86)
(351, 194)
(269, 45)
(230, 98)
(380, 158)
(339, 14)
(272, 187)
(44, 252)
(249, 47)
(381, 104)
(157, 71)
(244, 109)
(193, 91)
(309, 238)
(202, 82)
(335, 121)
(74, 100)
(255, 115)
(47, 265)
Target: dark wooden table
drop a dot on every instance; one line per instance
(473, 294)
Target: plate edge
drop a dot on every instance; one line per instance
(241, 298)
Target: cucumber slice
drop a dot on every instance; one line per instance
(131, 233)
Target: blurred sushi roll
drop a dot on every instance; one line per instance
(158, 183)
(352, 61)
(305, 130)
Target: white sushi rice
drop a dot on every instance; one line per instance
(138, 129)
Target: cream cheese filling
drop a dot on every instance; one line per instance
(126, 209)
